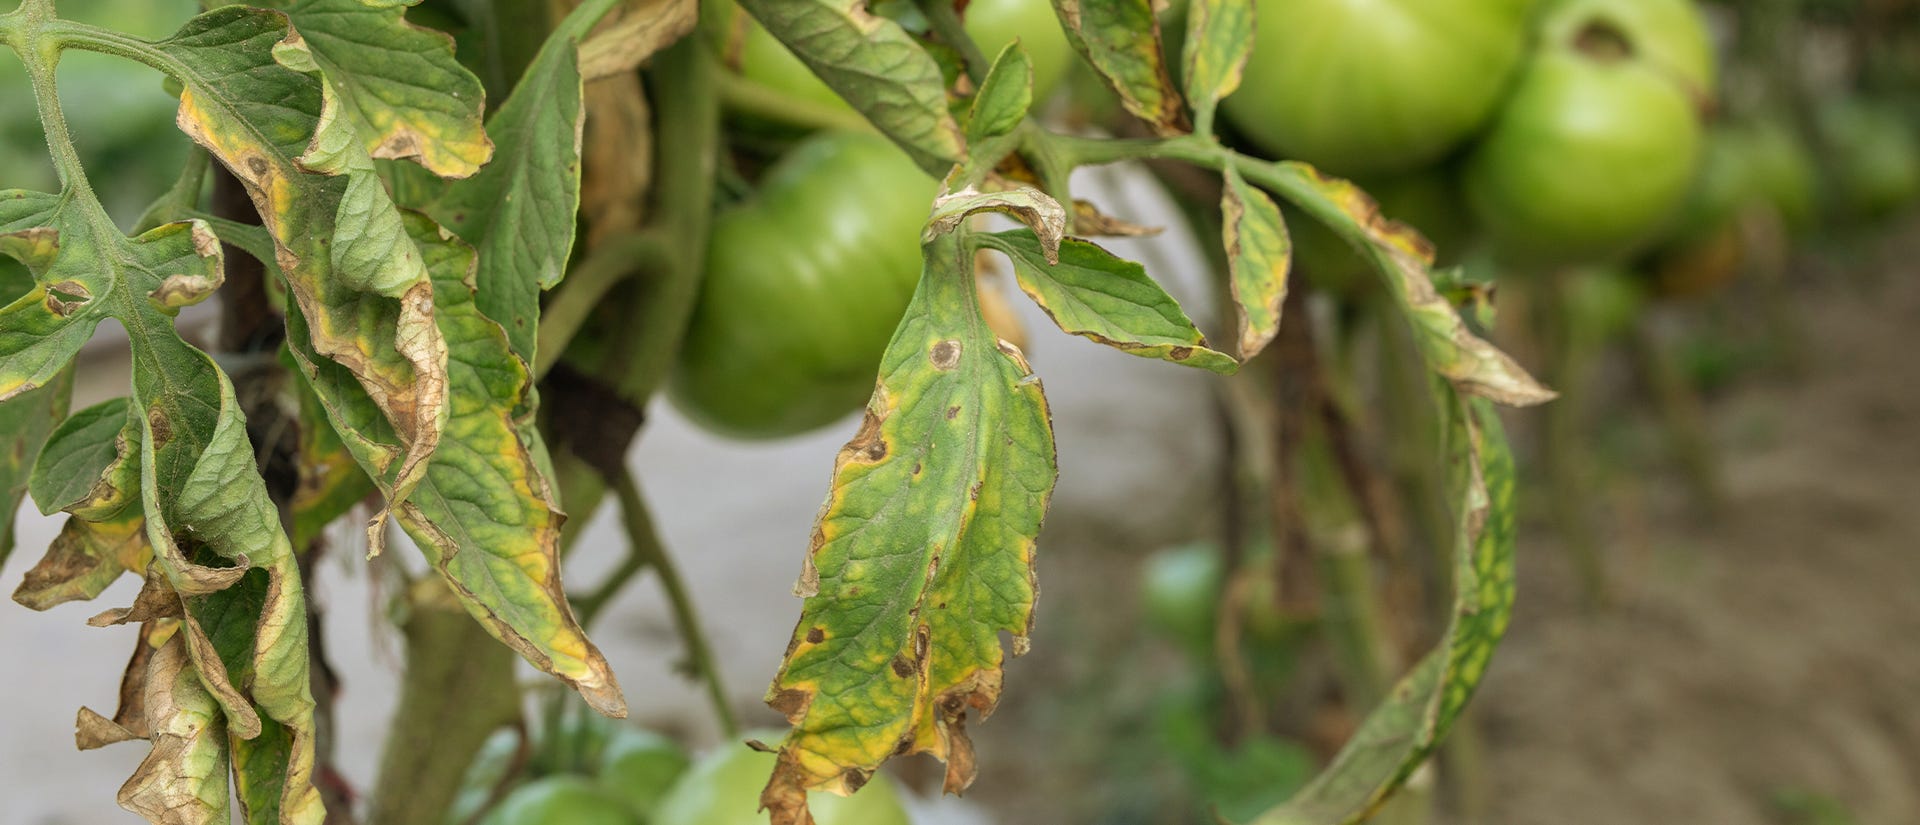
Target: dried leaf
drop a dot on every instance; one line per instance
(634, 33)
(1121, 39)
(1259, 257)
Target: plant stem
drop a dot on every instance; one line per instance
(587, 286)
(741, 94)
(644, 551)
(40, 54)
(947, 26)
(458, 689)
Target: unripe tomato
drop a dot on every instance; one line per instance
(1877, 155)
(805, 283)
(992, 24)
(638, 767)
(1597, 147)
(561, 800)
(723, 788)
(1368, 87)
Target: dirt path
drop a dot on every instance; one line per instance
(1776, 650)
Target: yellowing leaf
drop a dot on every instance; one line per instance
(922, 555)
(1219, 39)
(1121, 38)
(1259, 257)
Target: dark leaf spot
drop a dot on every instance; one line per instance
(945, 355)
(816, 636)
(901, 667)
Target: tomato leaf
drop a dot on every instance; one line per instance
(1107, 299)
(1004, 97)
(254, 96)
(1121, 38)
(1259, 256)
(518, 212)
(922, 554)
(1403, 257)
(1403, 731)
(639, 30)
(184, 779)
(24, 424)
(407, 95)
(880, 69)
(485, 514)
(88, 467)
(1030, 206)
(331, 480)
(1219, 39)
(86, 558)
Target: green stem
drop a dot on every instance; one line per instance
(947, 26)
(741, 94)
(588, 285)
(644, 551)
(30, 35)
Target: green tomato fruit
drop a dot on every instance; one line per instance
(992, 24)
(1597, 147)
(562, 800)
(639, 766)
(1370, 87)
(723, 788)
(805, 283)
(1877, 157)
(1668, 35)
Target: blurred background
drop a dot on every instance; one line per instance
(1719, 586)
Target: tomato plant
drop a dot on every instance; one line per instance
(459, 247)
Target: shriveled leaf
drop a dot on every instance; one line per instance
(1219, 38)
(1090, 222)
(254, 96)
(183, 781)
(876, 66)
(1107, 299)
(922, 555)
(129, 722)
(1028, 205)
(1403, 257)
(634, 34)
(1404, 730)
(1121, 39)
(485, 514)
(1259, 256)
(1004, 96)
(519, 211)
(407, 95)
(85, 559)
(42, 330)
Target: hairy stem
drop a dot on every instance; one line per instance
(946, 25)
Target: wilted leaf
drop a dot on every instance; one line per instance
(408, 96)
(24, 423)
(183, 781)
(1259, 256)
(1025, 203)
(255, 98)
(129, 722)
(1403, 256)
(90, 463)
(922, 555)
(1121, 38)
(1004, 96)
(85, 559)
(496, 543)
(1403, 731)
(1219, 38)
(1090, 222)
(331, 480)
(876, 66)
(1110, 300)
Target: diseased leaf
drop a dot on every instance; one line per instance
(255, 98)
(85, 559)
(519, 211)
(1095, 295)
(485, 513)
(1259, 257)
(1404, 730)
(1219, 38)
(407, 95)
(1003, 99)
(129, 722)
(880, 69)
(183, 781)
(204, 501)
(1025, 203)
(40, 331)
(89, 462)
(1403, 257)
(1121, 39)
(922, 555)
(331, 480)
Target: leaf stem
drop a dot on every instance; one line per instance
(742, 94)
(28, 30)
(645, 550)
(587, 286)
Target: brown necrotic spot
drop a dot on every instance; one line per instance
(160, 425)
(816, 636)
(902, 667)
(868, 445)
(905, 745)
(945, 355)
(257, 165)
(953, 412)
(66, 296)
(1180, 353)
